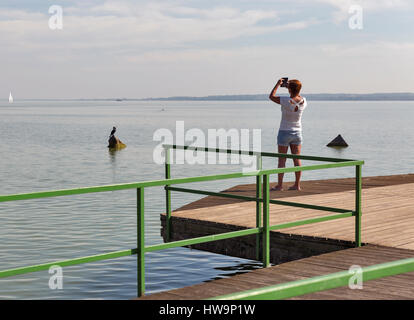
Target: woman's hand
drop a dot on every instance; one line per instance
(273, 92)
(277, 85)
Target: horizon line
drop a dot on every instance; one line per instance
(245, 96)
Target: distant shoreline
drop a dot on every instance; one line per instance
(404, 96)
(310, 96)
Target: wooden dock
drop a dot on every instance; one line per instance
(394, 287)
(310, 250)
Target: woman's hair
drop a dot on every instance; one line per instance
(294, 86)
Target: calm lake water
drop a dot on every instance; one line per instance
(59, 145)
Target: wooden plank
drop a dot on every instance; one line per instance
(395, 287)
(385, 220)
(309, 187)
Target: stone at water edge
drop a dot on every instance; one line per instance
(337, 142)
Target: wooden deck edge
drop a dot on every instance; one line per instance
(285, 247)
(388, 288)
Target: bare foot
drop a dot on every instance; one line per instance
(277, 188)
(295, 187)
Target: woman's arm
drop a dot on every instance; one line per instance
(273, 92)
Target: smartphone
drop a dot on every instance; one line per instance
(284, 82)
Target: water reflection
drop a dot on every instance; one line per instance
(338, 150)
(112, 159)
(237, 269)
(112, 155)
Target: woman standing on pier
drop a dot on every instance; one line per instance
(290, 131)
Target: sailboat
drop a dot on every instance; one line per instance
(10, 98)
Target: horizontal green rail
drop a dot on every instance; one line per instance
(255, 153)
(247, 198)
(65, 263)
(311, 220)
(320, 283)
(211, 193)
(307, 206)
(158, 183)
(198, 240)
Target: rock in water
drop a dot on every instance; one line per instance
(337, 142)
(115, 143)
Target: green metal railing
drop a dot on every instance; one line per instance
(261, 230)
(320, 283)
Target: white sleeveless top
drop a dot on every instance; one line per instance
(291, 119)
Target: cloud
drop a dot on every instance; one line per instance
(342, 6)
(118, 48)
(128, 26)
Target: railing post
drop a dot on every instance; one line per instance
(358, 213)
(258, 204)
(265, 229)
(140, 242)
(167, 195)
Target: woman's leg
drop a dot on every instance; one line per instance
(295, 149)
(281, 164)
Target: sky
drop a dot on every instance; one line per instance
(140, 49)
